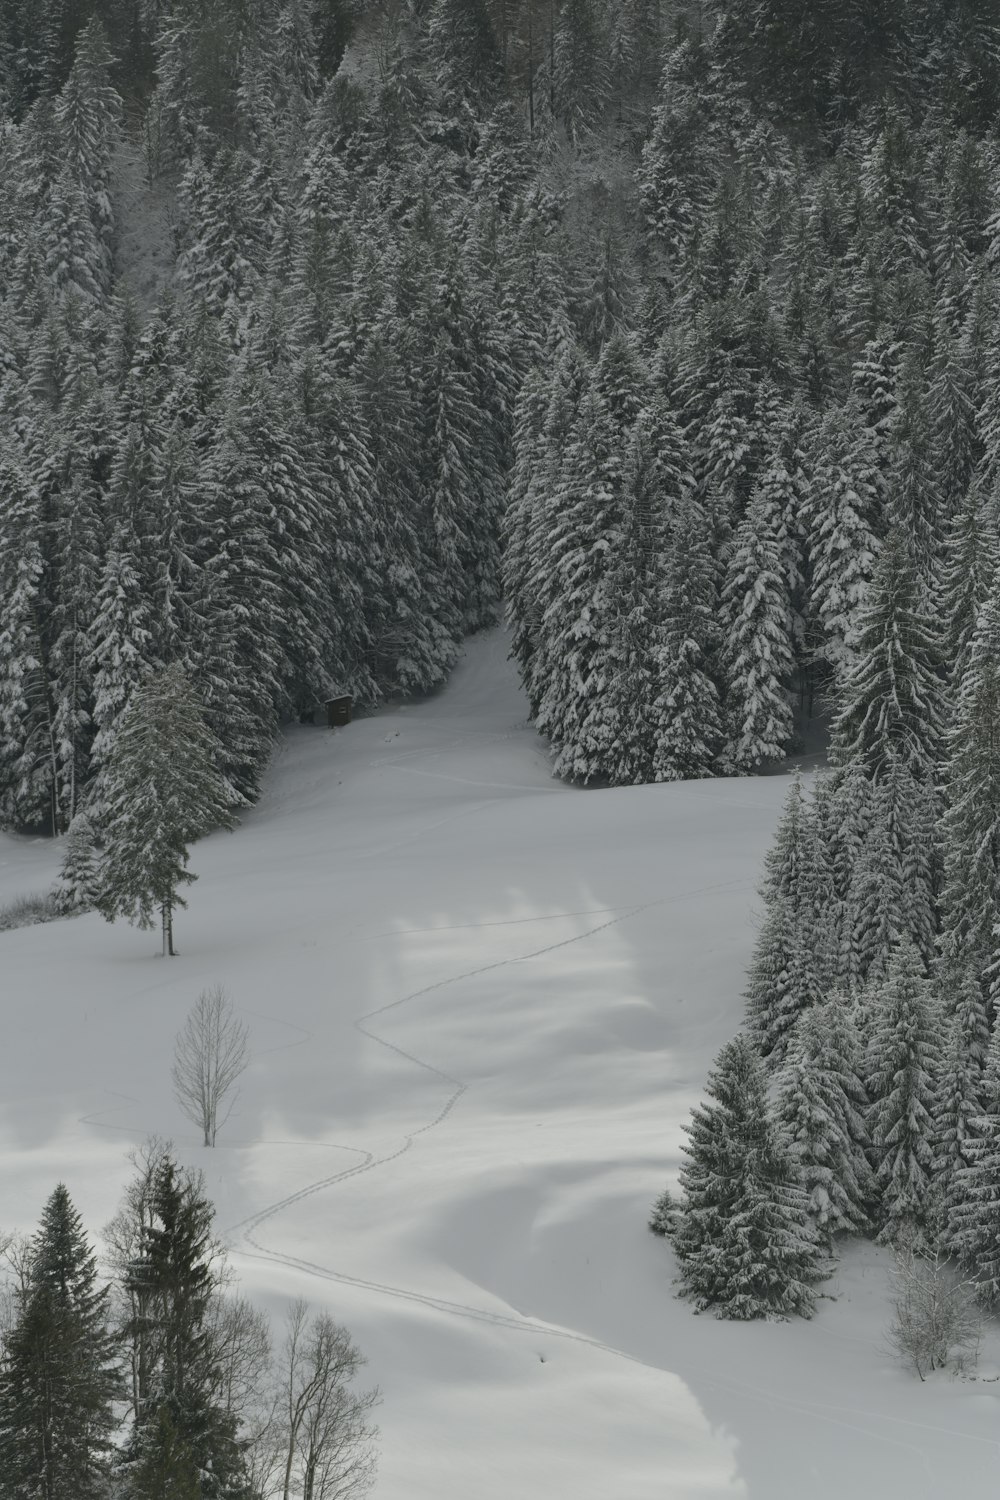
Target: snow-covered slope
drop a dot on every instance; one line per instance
(482, 1004)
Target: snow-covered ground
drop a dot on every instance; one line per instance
(482, 1004)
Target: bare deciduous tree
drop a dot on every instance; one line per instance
(327, 1438)
(15, 1253)
(210, 1054)
(936, 1319)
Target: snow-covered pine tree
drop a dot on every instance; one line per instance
(842, 519)
(690, 709)
(28, 769)
(970, 823)
(172, 1283)
(970, 561)
(973, 1231)
(902, 1063)
(744, 1243)
(665, 1214)
(914, 501)
(572, 658)
(548, 536)
(581, 82)
(890, 695)
(680, 160)
(88, 116)
(795, 956)
(958, 1093)
(59, 1377)
(78, 885)
(955, 446)
(631, 704)
(518, 522)
(843, 810)
(821, 1103)
(464, 46)
(162, 790)
(758, 653)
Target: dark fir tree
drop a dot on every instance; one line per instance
(162, 791)
(902, 1064)
(180, 1423)
(745, 1245)
(890, 697)
(759, 656)
(58, 1377)
(974, 1225)
(822, 1104)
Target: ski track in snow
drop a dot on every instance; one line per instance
(849, 1419)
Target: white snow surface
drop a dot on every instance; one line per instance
(482, 1004)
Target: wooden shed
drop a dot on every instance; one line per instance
(338, 711)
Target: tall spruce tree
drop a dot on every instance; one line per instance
(58, 1377)
(902, 1063)
(180, 1423)
(162, 790)
(970, 824)
(744, 1242)
(890, 697)
(758, 654)
(822, 1104)
(958, 1096)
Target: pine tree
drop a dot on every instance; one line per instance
(464, 44)
(88, 114)
(958, 1095)
(78, 886)
(28, 769)
(161, 791)
(970, 824)
(890, 697)
(759, 657)
(580, 79)
(970, 562)
(745, 1246)
(689, 705)
(58, 1379)
(172, 1283)
(795, 954)
(681, 159)
(164, 1467)
(572, 659)
(842, 521)
(822, 1103)
(915, 505)
(902, 1063)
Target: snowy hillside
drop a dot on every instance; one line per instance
(482, 1004)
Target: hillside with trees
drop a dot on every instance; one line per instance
(330, 332)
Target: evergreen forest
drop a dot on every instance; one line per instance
(332, 332)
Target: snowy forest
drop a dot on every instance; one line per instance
(333, 332)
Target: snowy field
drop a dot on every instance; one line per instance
(482, 1005)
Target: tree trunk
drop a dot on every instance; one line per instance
(167, 913)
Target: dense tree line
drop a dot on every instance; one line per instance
(561, 266)
(284, 476)
(154, 1380)
(871, 1041)
(788, 416)
(820, 349)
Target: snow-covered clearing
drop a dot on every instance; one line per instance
(481, 1005)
